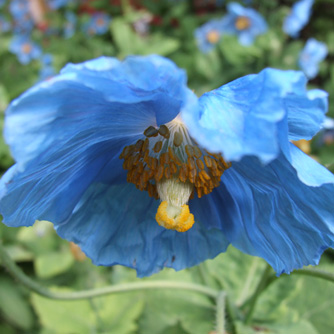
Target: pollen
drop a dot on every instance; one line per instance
(169, 164)
(242, 23)
(173, 218)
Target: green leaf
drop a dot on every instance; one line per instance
(119, 313)
(300, 327)
(237, 273)
(64, 317)
(13, 306)
(52, 264)
(195, 313)
(315, 301)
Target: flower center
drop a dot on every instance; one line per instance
(242, 22)
(213, 36)
(169, 165)
(26, 48)
(100, 22)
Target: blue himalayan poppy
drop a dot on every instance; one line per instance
(313, 53)
(127, 162)
(208, 35)
(25, 49)
(246, 23)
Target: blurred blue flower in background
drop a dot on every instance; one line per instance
(246, 23)
(19, 8)
(2, 2)
(4, 24)
(298, 18)
(98, 24)
(313, 53)
(88, 140)
(55, 4)
(70, 24)
(208, 35)
(24, 49)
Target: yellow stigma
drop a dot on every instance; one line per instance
(242, 22)
(213, 36)
(173, 218)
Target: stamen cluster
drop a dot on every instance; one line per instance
(168, 152)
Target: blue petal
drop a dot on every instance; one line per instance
(306, 112)
(68, 132)
(116, 225)
(281, 219)
(245, 116)
(298, 18)
(50, 186)
(310, 57)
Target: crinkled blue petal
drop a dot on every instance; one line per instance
(142, 76)
(245, 117)
(285, 218)
(306, 112)
(298, 18)
(68, 132)
(116, 225)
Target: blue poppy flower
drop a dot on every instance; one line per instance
(98, 24)
(298, 17)
(313, 53)
(208, 35)
(246, 23)
(4, 24)
(19, 8)
(25, 49)
(71, 21)
(97, 146)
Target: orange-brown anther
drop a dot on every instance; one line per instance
(173, 167)
(168, 173)
(164, 158)
(173, 157)
(200, 164)
(192, 175)
(197, 152)
(183, 173)
(178, 139)
(157, 146)
(191, 163)
(164, 131)
(189, 150)
(145, 145)
(151, 131)
(208, 161)
(159, 173)
(138, 146)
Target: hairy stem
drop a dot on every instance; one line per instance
(21, 277)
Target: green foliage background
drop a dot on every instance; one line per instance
(291, 305)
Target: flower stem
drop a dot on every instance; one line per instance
(220, 313)
(21, 277)
(315, 273)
